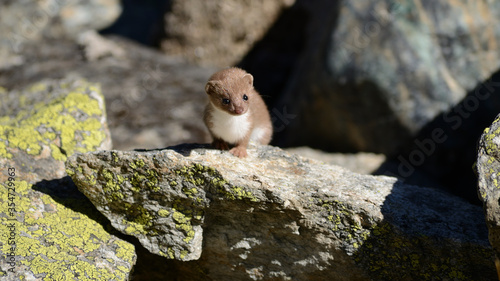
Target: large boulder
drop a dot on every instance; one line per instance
(488, 169)
(215, 32)
(374, 73)
(24, 22)
(153, 100)
(278, 216)
(51, 231)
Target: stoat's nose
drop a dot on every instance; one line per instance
(238, 110)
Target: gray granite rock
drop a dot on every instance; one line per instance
(361, 163)
(279, 216)
(488, 168)
(374, 73)
(26, 22)
(152, 100)
(218, 33)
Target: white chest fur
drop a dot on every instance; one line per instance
(229, 127)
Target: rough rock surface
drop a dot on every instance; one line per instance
(218, 32)
(49, 230)
(22, 22)
(152, 100)
(278, 216)
(361, 163)
(374, 71)
(488, 168)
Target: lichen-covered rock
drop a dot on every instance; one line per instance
(488, 169)
(158, 101)
(50, 231)
(48, 121)
(277, 216)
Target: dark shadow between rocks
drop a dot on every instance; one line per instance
(272, 59)
(65, 192)
(184, 149)
(141, 21)
(443, 153)
(148, 266)
(450, 234)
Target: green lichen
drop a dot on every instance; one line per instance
(238, 193)
(112, 185)
(200, 176)
(182, 219)
(143, 178)
(139, 220)
(163, 213)
(489, 136)
(56, 124)
(51, 243)
(344, 226)
(388, 254)
(169, 254)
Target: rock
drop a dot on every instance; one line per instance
(53, 231)
(361, 163)
(49, 121)
(442, 153)
(375, 73)
(215, 32)
(97, 47)
(153, 100)
(488, 169)
(279, 216)
(24, 23)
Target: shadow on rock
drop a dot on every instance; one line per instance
(448, 238)
(65, 192)
(141, 21)
(444, 152)
(148, 266)
(183, 149)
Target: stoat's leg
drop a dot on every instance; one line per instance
(239, 151)
(220, 144)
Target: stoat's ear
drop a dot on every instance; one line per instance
(248, 78)
(211, 86)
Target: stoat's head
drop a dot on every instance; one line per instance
(230, 90)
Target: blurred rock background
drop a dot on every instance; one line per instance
(411, 83)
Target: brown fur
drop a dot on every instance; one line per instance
(232, 84)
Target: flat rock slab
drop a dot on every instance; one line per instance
(279, 216)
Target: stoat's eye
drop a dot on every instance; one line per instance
(245, 97)
(226, 101)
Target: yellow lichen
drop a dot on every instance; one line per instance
(66, 235)
(54, 124)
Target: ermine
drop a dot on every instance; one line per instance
(236, 114)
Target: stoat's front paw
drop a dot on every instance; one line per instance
(239, 152)
(220, 144)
